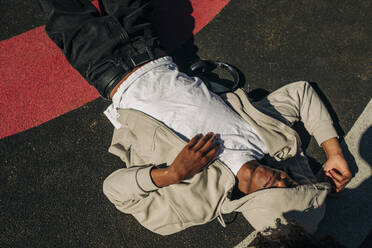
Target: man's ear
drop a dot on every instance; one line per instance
(246, 170)
(244, 175)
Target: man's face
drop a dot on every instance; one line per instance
(254, 177)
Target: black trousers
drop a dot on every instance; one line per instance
(103, 48)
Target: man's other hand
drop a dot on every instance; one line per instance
(198, 153)
(337, 169)
(336, 166)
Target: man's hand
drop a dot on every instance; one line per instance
(198, 153)
(336, 166)
(201, 151)
(337, 169)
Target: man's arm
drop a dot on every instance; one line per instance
(299, 102)
(336, 166)
(125, 183)
(134, 190)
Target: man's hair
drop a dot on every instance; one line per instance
(291, 235)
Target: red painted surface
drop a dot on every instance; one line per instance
(37, 84)
(205, 10)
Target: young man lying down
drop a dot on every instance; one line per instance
(189, 152)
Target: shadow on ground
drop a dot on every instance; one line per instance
(348, 217)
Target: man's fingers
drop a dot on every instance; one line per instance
(336, 182)
(201, 142)
(339, 180)
(194, 140)
(212, 154)
(338, 176)
(209, 144)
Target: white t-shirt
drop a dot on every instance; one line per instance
(186, 105)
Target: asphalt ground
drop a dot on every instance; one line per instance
(52, 174)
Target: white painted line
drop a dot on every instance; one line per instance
(349, 217)
(245, 243)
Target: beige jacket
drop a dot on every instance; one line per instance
(144, 142)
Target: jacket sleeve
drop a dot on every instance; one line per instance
(132, 191)
(129, 183)
(314, 114)
(299, 102)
